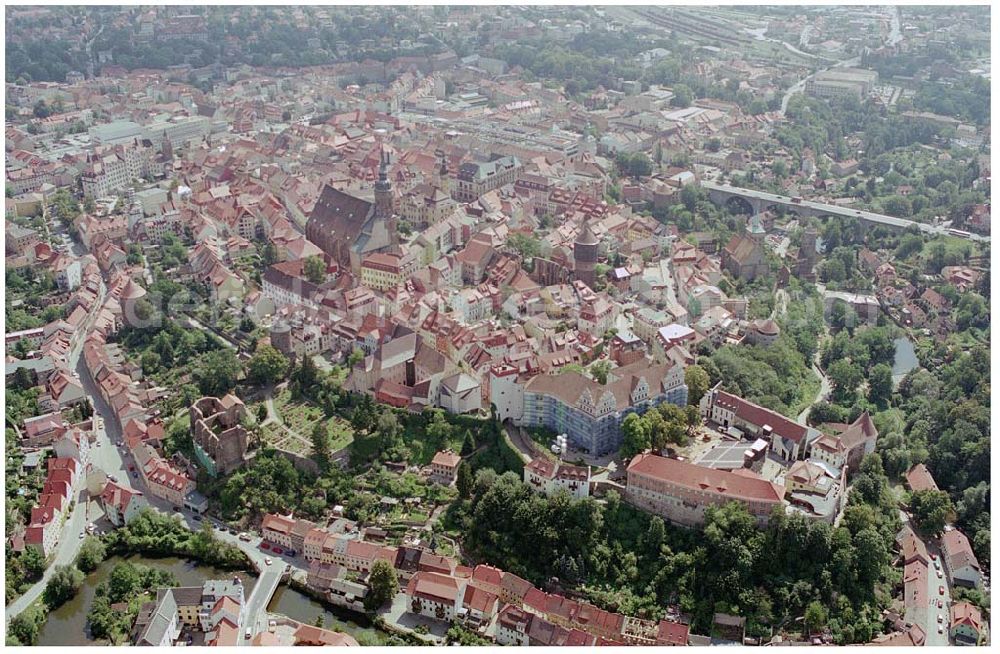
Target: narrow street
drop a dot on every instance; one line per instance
(66, 551)
(927, 617)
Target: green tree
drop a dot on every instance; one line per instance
(307, 374)
(267, 366)
(355, 356)
(635, 435)
(599, 371)
(314, 269)
(931, 510)
(92, 552)
(683, 96)
(697, 382)
(468, 444)
(815, 617)
(383, 585)
(217, 372)
(526, 245)
(33, 561)
(269, 255)
(24, 628)
(63, 585)
(655, 534)
(464, 480)
(321, 444)
(880, 384)
(845, 377)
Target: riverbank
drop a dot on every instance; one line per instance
(305, 604)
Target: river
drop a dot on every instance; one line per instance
(290, 602)
(67, 625)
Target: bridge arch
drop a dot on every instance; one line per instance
(780, 209)
(738, 204)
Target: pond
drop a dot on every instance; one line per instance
(905, 358)
(67, 625)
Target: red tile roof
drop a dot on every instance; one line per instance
(758, 415)
(695, 477)
(920, 478)
(434, 587)
(672, 633)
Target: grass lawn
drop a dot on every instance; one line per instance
(807, 395)
(422, 451)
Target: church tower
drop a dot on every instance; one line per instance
(444, 183)
(755, 228)
(585, 254)
(384, 210)
(383, 188)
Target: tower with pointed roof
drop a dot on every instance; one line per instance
(755, 228)
(444, 183)
(585, 254)
(383, 187)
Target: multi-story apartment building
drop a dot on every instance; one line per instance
(111, 170)
(382, 270)
(589, 413)
(681, 492)
(477, 178)
(277, 529)
(842, 83)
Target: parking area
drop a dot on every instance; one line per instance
(727, 455)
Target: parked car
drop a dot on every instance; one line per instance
(197, 518)
(276, 549)
(290, 553)
(265, 546)
(113, 478)
(176, 508)
(245, 537)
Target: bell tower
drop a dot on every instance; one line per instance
(383, 187)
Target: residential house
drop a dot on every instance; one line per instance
(960, 561)
(548, 477)
(121, 504)
(966, 623)
(435, 596)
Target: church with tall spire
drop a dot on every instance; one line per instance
(348, 228)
